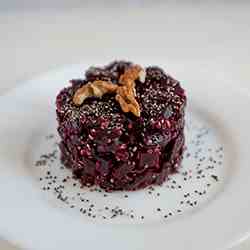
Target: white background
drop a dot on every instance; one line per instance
(38, 35)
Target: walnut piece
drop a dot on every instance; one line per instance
(131, 74)
(125, 91)
(97, 88)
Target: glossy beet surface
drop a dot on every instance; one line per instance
(116, 150)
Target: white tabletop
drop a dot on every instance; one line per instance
(36, 36)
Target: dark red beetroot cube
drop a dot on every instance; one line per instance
(116, 150)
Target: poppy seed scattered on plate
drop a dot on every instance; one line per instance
(215, 177)
(205, 168)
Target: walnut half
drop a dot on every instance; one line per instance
(126, 93)
(97, 88)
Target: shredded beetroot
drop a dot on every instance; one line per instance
(116, 150)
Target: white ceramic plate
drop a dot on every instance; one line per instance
(205, 206)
